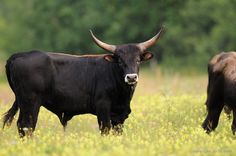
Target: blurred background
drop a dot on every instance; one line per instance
(172, 88)
(195, 30)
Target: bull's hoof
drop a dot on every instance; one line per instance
(105, 131)
(207, 126)
(28, 132)
(118, 129)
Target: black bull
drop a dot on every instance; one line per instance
(69, 85)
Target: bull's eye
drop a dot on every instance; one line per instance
(120, 63)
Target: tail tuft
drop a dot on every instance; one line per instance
(9, 115)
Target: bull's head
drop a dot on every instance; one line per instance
(129, 56)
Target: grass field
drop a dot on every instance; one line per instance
(167, 112)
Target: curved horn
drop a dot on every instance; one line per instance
(105, 46)
(144, 45)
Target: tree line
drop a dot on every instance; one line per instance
(195, 30)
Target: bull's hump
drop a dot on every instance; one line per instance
(225, 63)
(223, 56)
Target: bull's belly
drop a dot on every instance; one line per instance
(230, 93)
(230, 97)
(231, 101)
(76, 105)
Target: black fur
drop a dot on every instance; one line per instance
(69, 85)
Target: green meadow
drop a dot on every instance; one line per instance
(167, 112)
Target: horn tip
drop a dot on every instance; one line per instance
(162, 28)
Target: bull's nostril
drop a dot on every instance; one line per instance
(131, 78)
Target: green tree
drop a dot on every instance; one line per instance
(194, 29)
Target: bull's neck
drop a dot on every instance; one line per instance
(119, 78)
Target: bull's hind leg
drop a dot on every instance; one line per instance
(29, 109)
(213, 115)
(233, 127)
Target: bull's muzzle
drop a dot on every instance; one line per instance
(131, 78)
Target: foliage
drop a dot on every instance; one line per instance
(194, 29)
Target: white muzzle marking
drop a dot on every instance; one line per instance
(131, 78)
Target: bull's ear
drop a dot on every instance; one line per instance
(110, 58)
(146, 56)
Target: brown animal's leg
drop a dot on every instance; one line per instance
(212, 118)
(104, 121)
(233, 127)
(28, 116)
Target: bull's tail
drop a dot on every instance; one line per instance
(9, 115)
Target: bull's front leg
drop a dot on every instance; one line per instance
(117, 121)
(104, 119)
(117, 125)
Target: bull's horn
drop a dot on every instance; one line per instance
(105, 46)
(145, 45)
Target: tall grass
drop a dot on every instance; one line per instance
(167, 111)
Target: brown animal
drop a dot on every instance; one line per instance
(221, 90)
